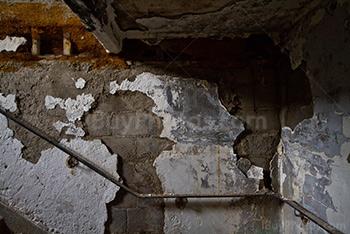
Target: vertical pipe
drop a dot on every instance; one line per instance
(35, 41)
(67, 44)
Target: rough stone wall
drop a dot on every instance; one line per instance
(315, 157)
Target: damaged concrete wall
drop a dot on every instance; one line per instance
(177, 135)
(48, 98)
(315, 158)
(202, 159)
(49, 192)
(154, 123)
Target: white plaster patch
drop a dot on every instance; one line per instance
(339, 190)
(11, 43)
(255, 172)
(176, 102)
(202, 160)
(345, 149)
(8, 102)
(50, 193)
(71, 129)
(74, 108)
(346, 126)
(80, 83)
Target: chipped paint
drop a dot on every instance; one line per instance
(310, 172)
(80, 83)
(255, 173)
(185, 122)
(75, 108)
(8, 102)
(53, 196)
(47, 192)
(11, 43)
(191, 165)
(71, 129)
(314, 164)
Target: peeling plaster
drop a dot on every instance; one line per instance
(51, 194)
(71, 129)
(311, 173)
(202, 160)
(338, 190)
(74, 108)
(74, 111)
(316, 153)
(255, 172)
(8, 102)
(80, 83)
(11, 43)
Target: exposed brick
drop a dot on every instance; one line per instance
(141, 176)
(135, 124)
(119, 221)
(152, 146)
(98, 124)
(123, 146)
(151, 203)
(125, 200)
(145, 220)
(132, 174)
(126, 101)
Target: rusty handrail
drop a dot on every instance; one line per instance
(296, 206)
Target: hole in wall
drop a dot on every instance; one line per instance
(51, 41)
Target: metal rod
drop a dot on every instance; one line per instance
(323, 224)
(320, 222)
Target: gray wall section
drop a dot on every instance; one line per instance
(144, 155)
(315, 163)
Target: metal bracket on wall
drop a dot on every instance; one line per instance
(296, 206)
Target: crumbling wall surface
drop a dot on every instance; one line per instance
(50, 193)
(202, 158)
(70, 101)
(111, 21)
(315, 159)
